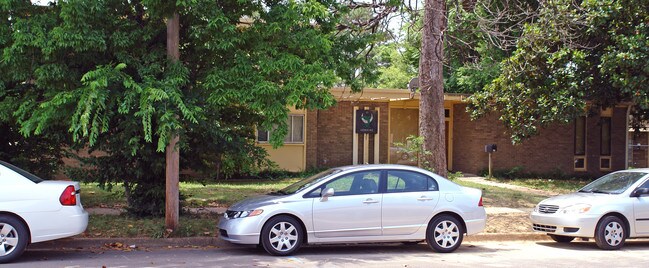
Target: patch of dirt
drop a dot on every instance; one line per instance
(508, 223)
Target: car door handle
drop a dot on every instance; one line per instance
(370, 201)
(424, 198)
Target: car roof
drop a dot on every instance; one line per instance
(644, 170)
(377, 166)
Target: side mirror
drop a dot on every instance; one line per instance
(326, 193)
(640, 192)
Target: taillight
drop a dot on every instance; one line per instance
(480, 203)
(69, 196)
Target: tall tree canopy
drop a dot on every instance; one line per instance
(99, 70)
(573, 53)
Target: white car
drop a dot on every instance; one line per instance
(33, 210)
(610, 209)
(354, 204)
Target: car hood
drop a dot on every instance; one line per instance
(578, 198)
(256, 202)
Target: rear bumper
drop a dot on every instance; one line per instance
(477, 224)
(69, 221)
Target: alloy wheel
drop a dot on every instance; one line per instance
(283, 236)
(446, 234)
(8, 239)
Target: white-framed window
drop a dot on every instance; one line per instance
(295, 123)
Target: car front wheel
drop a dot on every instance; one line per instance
(13, 238)
(281, 236)
(444, 234)
(562, 238)
(610, 233)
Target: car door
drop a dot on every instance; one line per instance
(641, 211)
(353, 211)
(409, 201)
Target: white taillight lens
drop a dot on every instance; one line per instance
(69, 196)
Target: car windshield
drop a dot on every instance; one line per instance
(305, 183)
(25, 174)
(614, 183)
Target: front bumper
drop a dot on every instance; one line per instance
(241, 230)
(576, 225)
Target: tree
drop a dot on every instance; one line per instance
(573, 53)
(431, 104)
(99, 69)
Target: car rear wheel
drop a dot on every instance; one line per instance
(13, 238)
(562, 238)
(444, 234)
(281, 236)
(610, 233)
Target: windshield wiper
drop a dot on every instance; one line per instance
(279, 192)
(600, 192)
(585, 191)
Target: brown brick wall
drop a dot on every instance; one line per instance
(550, 152)
(329, 135)
(619, 132)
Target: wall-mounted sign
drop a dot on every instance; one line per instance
(367, 122)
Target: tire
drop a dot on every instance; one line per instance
(281, 236)
(610, 233)
(444, 234)
(562, 238)
(13, 238)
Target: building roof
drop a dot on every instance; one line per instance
(386, 95)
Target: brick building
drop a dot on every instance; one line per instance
(591, 145)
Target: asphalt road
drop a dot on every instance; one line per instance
(471, 254)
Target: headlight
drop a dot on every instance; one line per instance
(576, 209)
(243, 214)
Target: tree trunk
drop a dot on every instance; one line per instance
(172, 153)
(431, 83)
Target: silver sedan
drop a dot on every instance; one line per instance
(610, 209)
(353, 204)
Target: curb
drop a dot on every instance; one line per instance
(121, 243)
(507, 237)
(215, 242)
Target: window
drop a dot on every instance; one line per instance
(366, 182)
(408, 181)
(295, 129)
(295, 133)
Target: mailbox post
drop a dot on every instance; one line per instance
(490, 148)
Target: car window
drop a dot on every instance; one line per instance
(22, 172)
(645, 184)
(365, 182)
(613, 183)
(409, 181)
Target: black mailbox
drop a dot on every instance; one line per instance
(490, 148)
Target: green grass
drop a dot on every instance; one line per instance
(228, 193)
(127, 226)
(501, 197)
(559, 186)
(195, 194)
